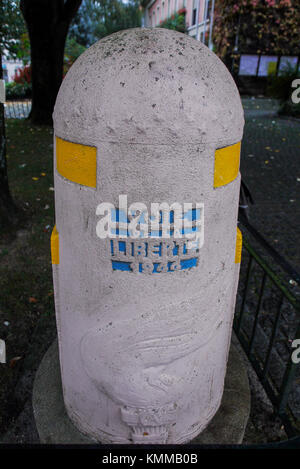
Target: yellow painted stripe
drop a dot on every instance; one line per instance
(227, 163)
(55, 246)
(238, 246)
(76, 162)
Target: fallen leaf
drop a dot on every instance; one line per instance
(35, 179)
(13, 361)
(32, 299)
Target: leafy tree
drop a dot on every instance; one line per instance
(257, 26)
(72, 51)
(23, 49)
(8, 209)
(48, 24)
(95, 19)
(11, 28)
(83, 26)
(117, 16)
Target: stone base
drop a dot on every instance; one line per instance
(54, 426)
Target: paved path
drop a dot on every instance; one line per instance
(270, 165)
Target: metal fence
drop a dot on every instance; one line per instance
(17, 109)
(267, 321)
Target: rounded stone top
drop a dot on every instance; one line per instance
(151, 86)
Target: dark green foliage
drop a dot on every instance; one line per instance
(280, 87)
(176, 22)
(12, 28)
(95, 20)
(72, 51)
(18, 90)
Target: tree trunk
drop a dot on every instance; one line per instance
(8, 210)
(48, 23)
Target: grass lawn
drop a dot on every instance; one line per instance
(27, 321)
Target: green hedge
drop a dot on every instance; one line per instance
(280, 87)
(18, 90)
(176, 22)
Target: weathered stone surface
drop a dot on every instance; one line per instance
(143, 357)
(53, 424)
(150, 86)
(55, 427)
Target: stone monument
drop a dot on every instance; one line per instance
(146, 251)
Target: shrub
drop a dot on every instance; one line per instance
(176, 22)
(280, 87)
(72, 51)
(23, 75)
(18, 90)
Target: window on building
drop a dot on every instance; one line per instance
(249, 65)
(5, 74)
(157, 16)
(267, 65)
(208, 8)
(163, 11)
(169, 6)
(194, 12)
(153, 19)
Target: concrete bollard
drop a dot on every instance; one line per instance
(145, 295)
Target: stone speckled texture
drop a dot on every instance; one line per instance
(152, 86)
(54, 426)
(143, 357)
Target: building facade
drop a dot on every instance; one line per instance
(10, 67)
(199, 15)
